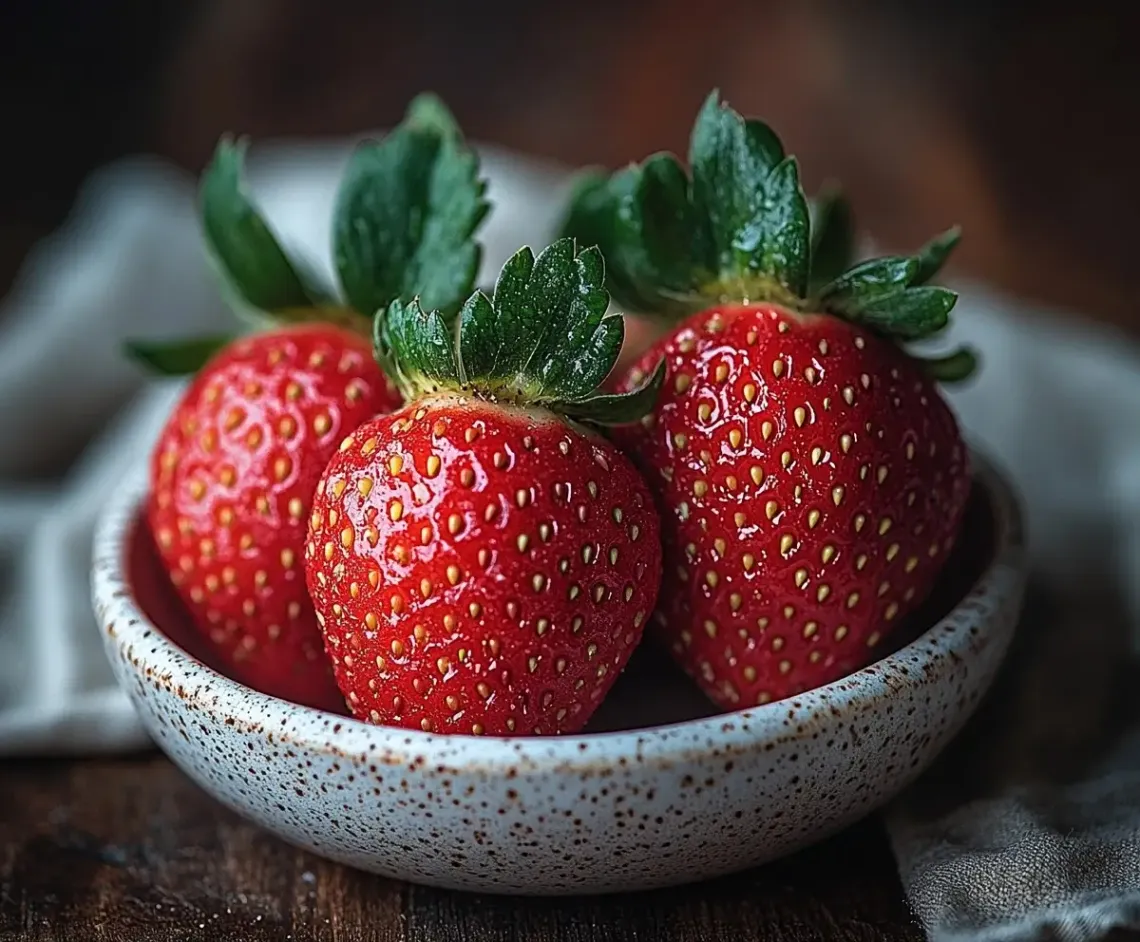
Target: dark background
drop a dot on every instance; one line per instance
(1016, 119)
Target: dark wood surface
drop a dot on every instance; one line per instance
(130, 849)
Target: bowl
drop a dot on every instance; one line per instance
(660, 791)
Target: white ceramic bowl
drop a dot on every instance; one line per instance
(674, 795)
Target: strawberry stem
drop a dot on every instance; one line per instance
(543, 337)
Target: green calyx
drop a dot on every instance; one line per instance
(543, 337)
(406, 213)
(737, 227)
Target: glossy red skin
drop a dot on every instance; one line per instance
(232, 478)
(443, 615)
(780, 583)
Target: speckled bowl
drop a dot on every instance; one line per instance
(662, 793)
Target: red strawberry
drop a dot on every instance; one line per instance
(810, 478)
(235, 469)
(233, 476)
(479, 562)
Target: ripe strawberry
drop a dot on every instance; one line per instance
(811, 480)
(233, 476)
(235, 468)
(479, 561)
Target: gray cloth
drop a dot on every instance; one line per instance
(1028, 827)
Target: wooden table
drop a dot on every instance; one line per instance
(130, 849)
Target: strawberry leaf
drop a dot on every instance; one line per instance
(592, 219)
(255, 267)
(953, 367)
(672, 238)
(887, 295)
(543, 337)
(646, 227)
(932, 256)
(428, 112)
(774, 244)
(742, 220)
(732, 160)
(414, 347)
(832, 239)
(735, 226)
(750, 193)
(545, 334)
(617, 409)
(176, 358)
(405, 214)
(910, 314)
(869, 280)
(589, 214)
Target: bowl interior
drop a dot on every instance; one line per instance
(652, 691)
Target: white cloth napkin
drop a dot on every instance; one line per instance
(1029, 828)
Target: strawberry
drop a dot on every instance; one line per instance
(233, 476)
(810, 477)
(483, 562)
(235, 467)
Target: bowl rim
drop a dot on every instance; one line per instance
(243, 709)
